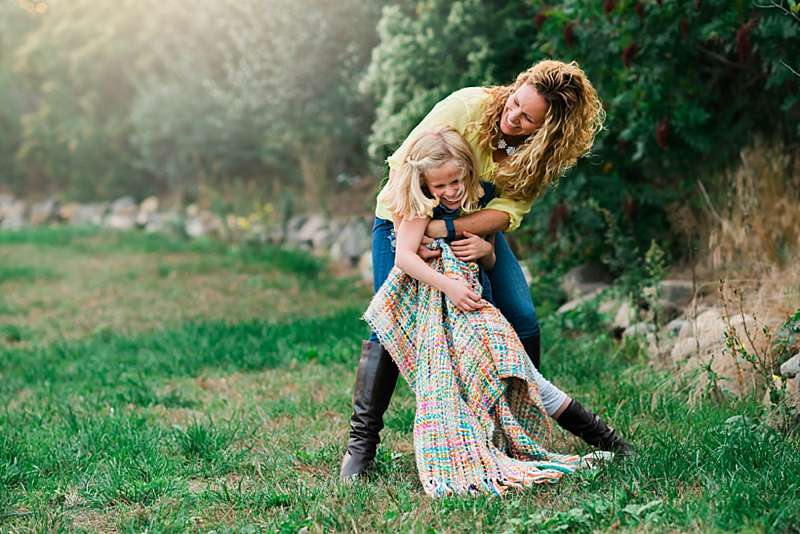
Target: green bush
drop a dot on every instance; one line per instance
(686, 85)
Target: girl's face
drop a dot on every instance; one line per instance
(524, 111)
(446, 183)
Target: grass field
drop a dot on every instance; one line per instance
(152, 384)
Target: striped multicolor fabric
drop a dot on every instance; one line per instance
(480, 423)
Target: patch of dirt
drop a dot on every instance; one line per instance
(94, 521)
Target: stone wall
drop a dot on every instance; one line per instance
(346, 241)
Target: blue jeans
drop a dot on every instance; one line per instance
(509, 291)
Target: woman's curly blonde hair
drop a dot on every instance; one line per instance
(573, 118)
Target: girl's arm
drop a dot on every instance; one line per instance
(409, 237)
(422, 251)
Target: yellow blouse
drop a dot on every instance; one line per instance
(462, 111)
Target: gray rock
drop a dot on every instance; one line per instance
(162, 222)
(275, 234)
(14, 216)
(609, 306)
(638, 329)
(584, 279)
(677, 292)
(293, 226)
(85, 214)
(708, 324)
(202, 223)
(6, 202)
(365, 267)
(120, 221)
(147, 209)
(44, 212)
(574, 304)
(350, 242)
(67, 211)
(122, 214)
(314, 234)
(668, 311)
(791, 367)
(625, 316)
(675, 326)
(684, 348)
(125, 205)
(674, 293)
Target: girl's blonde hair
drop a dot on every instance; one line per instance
(405, 192)
(573, 118)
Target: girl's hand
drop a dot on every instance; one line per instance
(471, 248)
(462, 296)
(424, 252)
(435, 229)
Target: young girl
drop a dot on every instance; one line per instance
(479, 398)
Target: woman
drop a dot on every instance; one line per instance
(524, 137)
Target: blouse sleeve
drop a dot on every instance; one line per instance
(452, 111)
(516, 210)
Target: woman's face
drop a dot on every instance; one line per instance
(446, 183)
(524, 112)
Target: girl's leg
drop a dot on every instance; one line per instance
(571, 416)
(512, 296)
(553, 399)
(377, 373)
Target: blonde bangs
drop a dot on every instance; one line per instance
(404, 193)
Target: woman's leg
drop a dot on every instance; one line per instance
(377, 373)
(383, 249)
(512, 296)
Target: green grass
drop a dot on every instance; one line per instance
(234, 422)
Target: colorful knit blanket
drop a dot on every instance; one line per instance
(479, 424)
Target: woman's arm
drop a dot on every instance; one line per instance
(409, 237)
(500, 215)
(474, 247)
(483, 222)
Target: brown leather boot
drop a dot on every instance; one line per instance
(375, 382)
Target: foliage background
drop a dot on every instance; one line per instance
(298, 100)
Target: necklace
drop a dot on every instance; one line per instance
(503, 145)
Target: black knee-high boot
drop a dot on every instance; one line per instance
(590, 428)
(533, 348)
(376, 379)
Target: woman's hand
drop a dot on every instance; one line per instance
(435, 229)
(424, 252)
(462, 296)
(471, 248)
